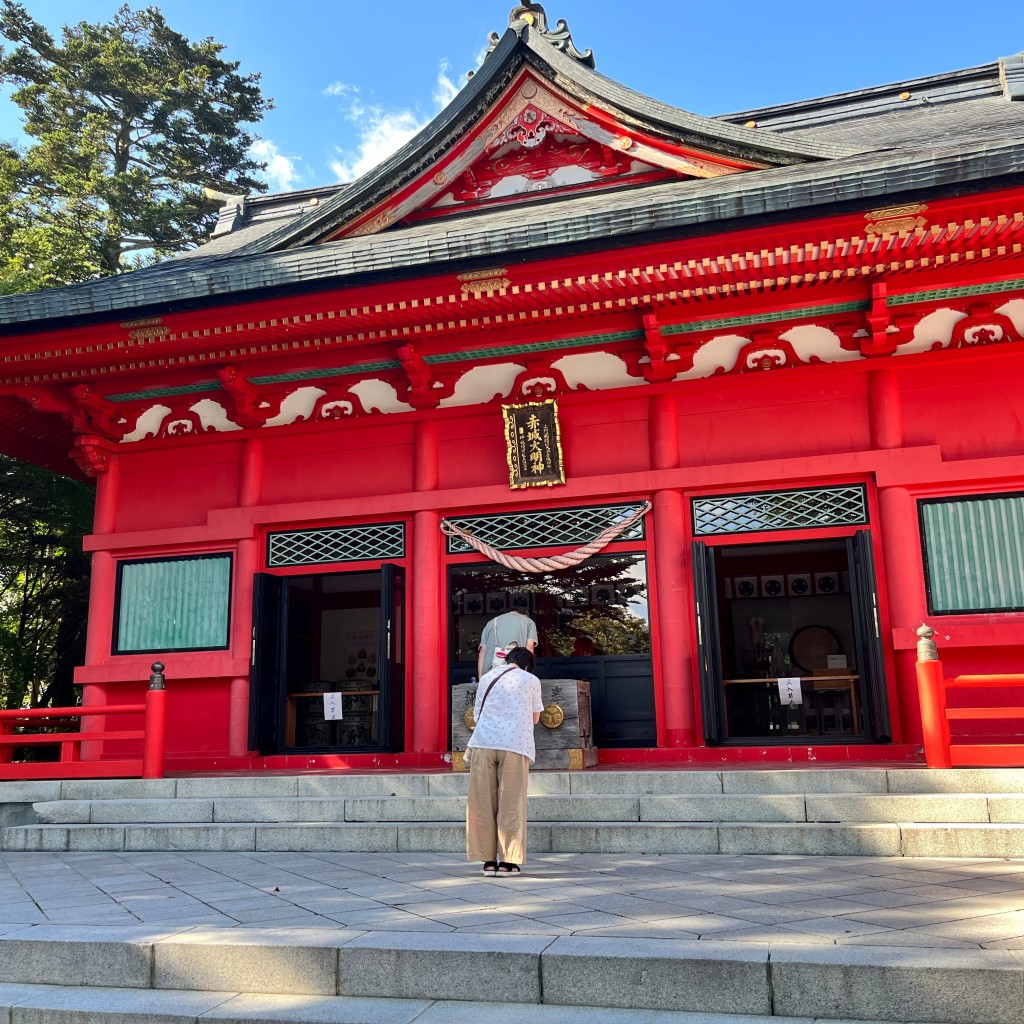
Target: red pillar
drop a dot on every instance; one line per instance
(904, 584)
(674, 678)
(428, 702)
(250, 490)
(885, 409)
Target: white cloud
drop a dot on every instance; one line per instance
(381, 132)
(281, 172)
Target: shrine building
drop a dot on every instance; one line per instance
(728, 405)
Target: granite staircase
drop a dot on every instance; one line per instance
(893, 812)
(153, 974)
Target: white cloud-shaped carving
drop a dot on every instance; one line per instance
(299, 403)
(596, 370)
(148, 424)
(379, 396)
(934, 329)
(1014, 309)
(483, 383)
(213, 414)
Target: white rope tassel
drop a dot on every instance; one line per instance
(566, 561)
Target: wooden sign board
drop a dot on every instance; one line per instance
(534, 444)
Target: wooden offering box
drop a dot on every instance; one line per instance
(563, 735)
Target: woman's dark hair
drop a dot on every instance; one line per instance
(521, 657)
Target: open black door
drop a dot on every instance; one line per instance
(265, 670)
(868, 631)
(709, 653)
(392, 657)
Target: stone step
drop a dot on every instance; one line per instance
(48, 1004)
(195, 974)
(611, 782)
(878, 839)
(984, 808)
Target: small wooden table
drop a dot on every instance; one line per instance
(847, 683)
(292, 699)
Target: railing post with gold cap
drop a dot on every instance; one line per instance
(156, 725)
(931, 689)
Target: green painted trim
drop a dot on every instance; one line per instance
(335, 371)
(963, 291)
(764, 318)
(187, 389)
(537, 346)
(692, 327)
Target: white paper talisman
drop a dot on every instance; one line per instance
(332, 707)
(789, 690)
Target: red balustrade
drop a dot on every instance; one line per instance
(16, 726)
(940, 749)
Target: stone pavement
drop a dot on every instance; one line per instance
(774, 900)
(419, 938)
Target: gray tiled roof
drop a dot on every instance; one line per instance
(678, 205)
(960, 128)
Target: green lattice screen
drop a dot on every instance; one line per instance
(780, 510)
(339, 544)
(548, 528)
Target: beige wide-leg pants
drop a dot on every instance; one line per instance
(496, 809)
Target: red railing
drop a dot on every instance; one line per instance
(70, 765)
(940, 750)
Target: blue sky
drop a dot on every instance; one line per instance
(349, 87)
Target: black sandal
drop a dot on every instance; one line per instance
(490, 868)
(505, 868)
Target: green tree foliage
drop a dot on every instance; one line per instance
(44, 584)
(128, 121)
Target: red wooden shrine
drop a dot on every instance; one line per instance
(795, 332)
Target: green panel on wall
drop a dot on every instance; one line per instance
(173, 604)
(974, 553)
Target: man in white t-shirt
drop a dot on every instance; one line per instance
(503, 749)
(513, 627)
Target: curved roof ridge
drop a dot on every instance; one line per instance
(960, 83)
(520, 45)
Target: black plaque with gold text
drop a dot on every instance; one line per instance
(534, 444)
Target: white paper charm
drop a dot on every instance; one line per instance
(332, 707)
(789, 690)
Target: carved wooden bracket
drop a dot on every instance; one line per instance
(336, 404)
(245, 405)
(86, 411)
(423, 394)
(93, 414)
(660, 368)
(882, 334)
(539, 381)
(91, 454)
(45, 400)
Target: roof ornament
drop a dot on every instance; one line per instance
(531, 15)
(1011, 76)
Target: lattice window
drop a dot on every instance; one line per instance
(550, 528)
(780, 510)
(339, 544)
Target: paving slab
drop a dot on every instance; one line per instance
(645, 783)
(657, 974)
(956, 780)
(111, 956)
(55, 1004)
(488, 968)
(281, 960)
(271, 1009)
(796, 780)
(947, 986)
